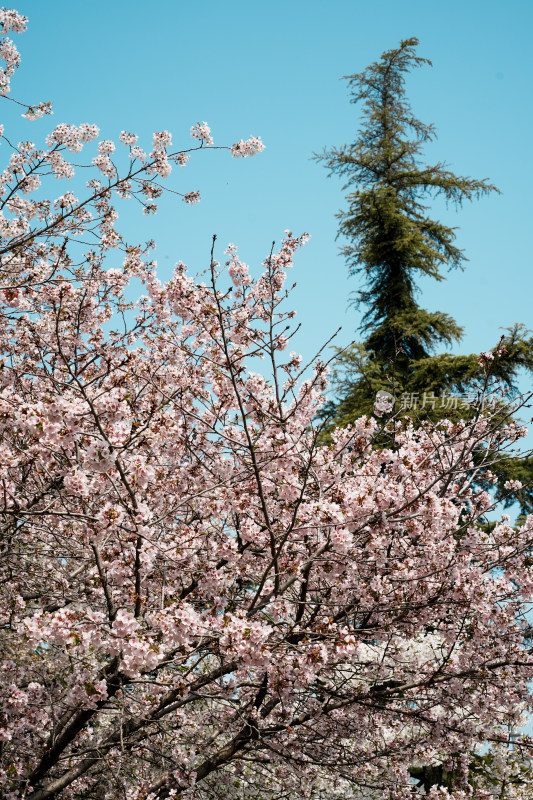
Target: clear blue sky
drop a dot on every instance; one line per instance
(273, 70)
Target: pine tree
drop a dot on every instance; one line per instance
(392, 241)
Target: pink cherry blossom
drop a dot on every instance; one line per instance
(249, 147)
(192, 197)
(202, 132)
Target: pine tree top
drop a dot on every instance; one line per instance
(390, 237)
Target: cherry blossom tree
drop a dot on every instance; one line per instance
(197, 600)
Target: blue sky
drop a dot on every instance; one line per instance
(273, 70)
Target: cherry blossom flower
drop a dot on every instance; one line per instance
(202, 132)
(249, 147)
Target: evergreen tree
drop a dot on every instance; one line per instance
(392, 241)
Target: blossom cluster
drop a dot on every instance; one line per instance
(249, 147)
(10, 20)
(202, 132)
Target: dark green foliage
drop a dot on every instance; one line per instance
(391, 241)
